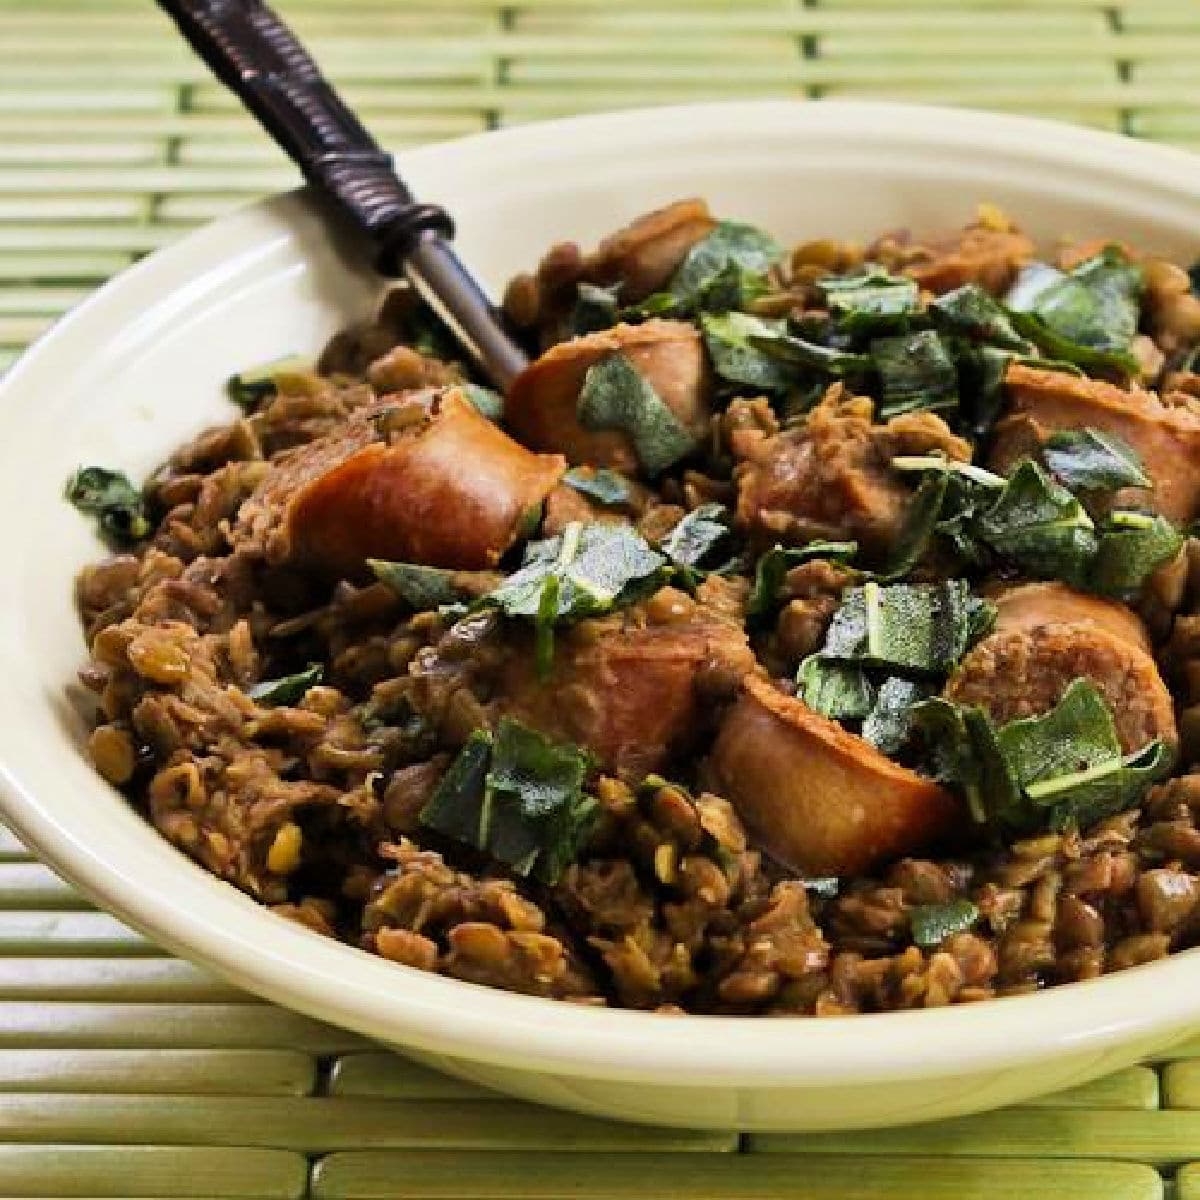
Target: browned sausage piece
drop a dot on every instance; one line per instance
(541, 406)
(814, 796)
(447, 488)
(1026, 606)
(1166, 438)
(988, 257)
(1024, 672)
(647, 252)
(830, 477)
(630, 695)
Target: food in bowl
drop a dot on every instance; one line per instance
(802, 634)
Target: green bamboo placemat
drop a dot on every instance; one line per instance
(124, 1072)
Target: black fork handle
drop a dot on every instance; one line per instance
(251, 51)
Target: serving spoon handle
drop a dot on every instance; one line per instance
(263, 63)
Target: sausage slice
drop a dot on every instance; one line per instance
(647, 252)
(541, 406)
(1026, 606)
(446, 487)
(1166, 438)
(631, 695)
(817, 798)
(990, 258)
(1023, 672)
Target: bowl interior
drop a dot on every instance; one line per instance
(140, 367)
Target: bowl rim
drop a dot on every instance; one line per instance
(335, 982)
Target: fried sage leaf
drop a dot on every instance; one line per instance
(700, 542)
(419, 586)
(840, 690)
(616, 396)
(1132, 546)
(916, 373)
(923, 628)
(251, 387)
(1060, 769)
(932, 924)
(1090, 460)
(973, 313)
(870, 301)
(110, 497)
(584, 571)
(1039, 526)
(1087, 316)
(606, 487)
(289, 688)
(739, 360)
(731, 245)
(517, 796)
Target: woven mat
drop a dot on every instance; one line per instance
(124, 1072)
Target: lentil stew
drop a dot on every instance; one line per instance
(810, 632)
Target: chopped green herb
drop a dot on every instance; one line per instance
(870, 301)
(109, 496)
(518, 797)
(616, 395)
(1087, 316)
(736, 359)
(585, 571)
(924, 628)
(1038, 525)
(734, 287)
(730, 244)
(1069, 763)
(1063, 768)
(456, 808)
(660, 304)
(596, 308)
(289, 689)
(957, 746)
(916, 373)
(920, 522)
(887, 725)
(1133, 545)
(1033, 522)
(1088, 460)
(970, 312)
(981, 372)
(700, 541)
(420, 587)
(973, 313)
(970, 472)
(543, 625)
(812, 356)
(840, 690)
(488, 403)
(600, 484)
(932, 924)
(249, 388)
(773, 566)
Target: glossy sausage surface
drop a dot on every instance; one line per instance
(1167, 439)
(450, 490)
(1026, 606)
(542, 405)
(630, 695)
(815, 797)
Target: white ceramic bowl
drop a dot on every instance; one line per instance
(139, 367)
